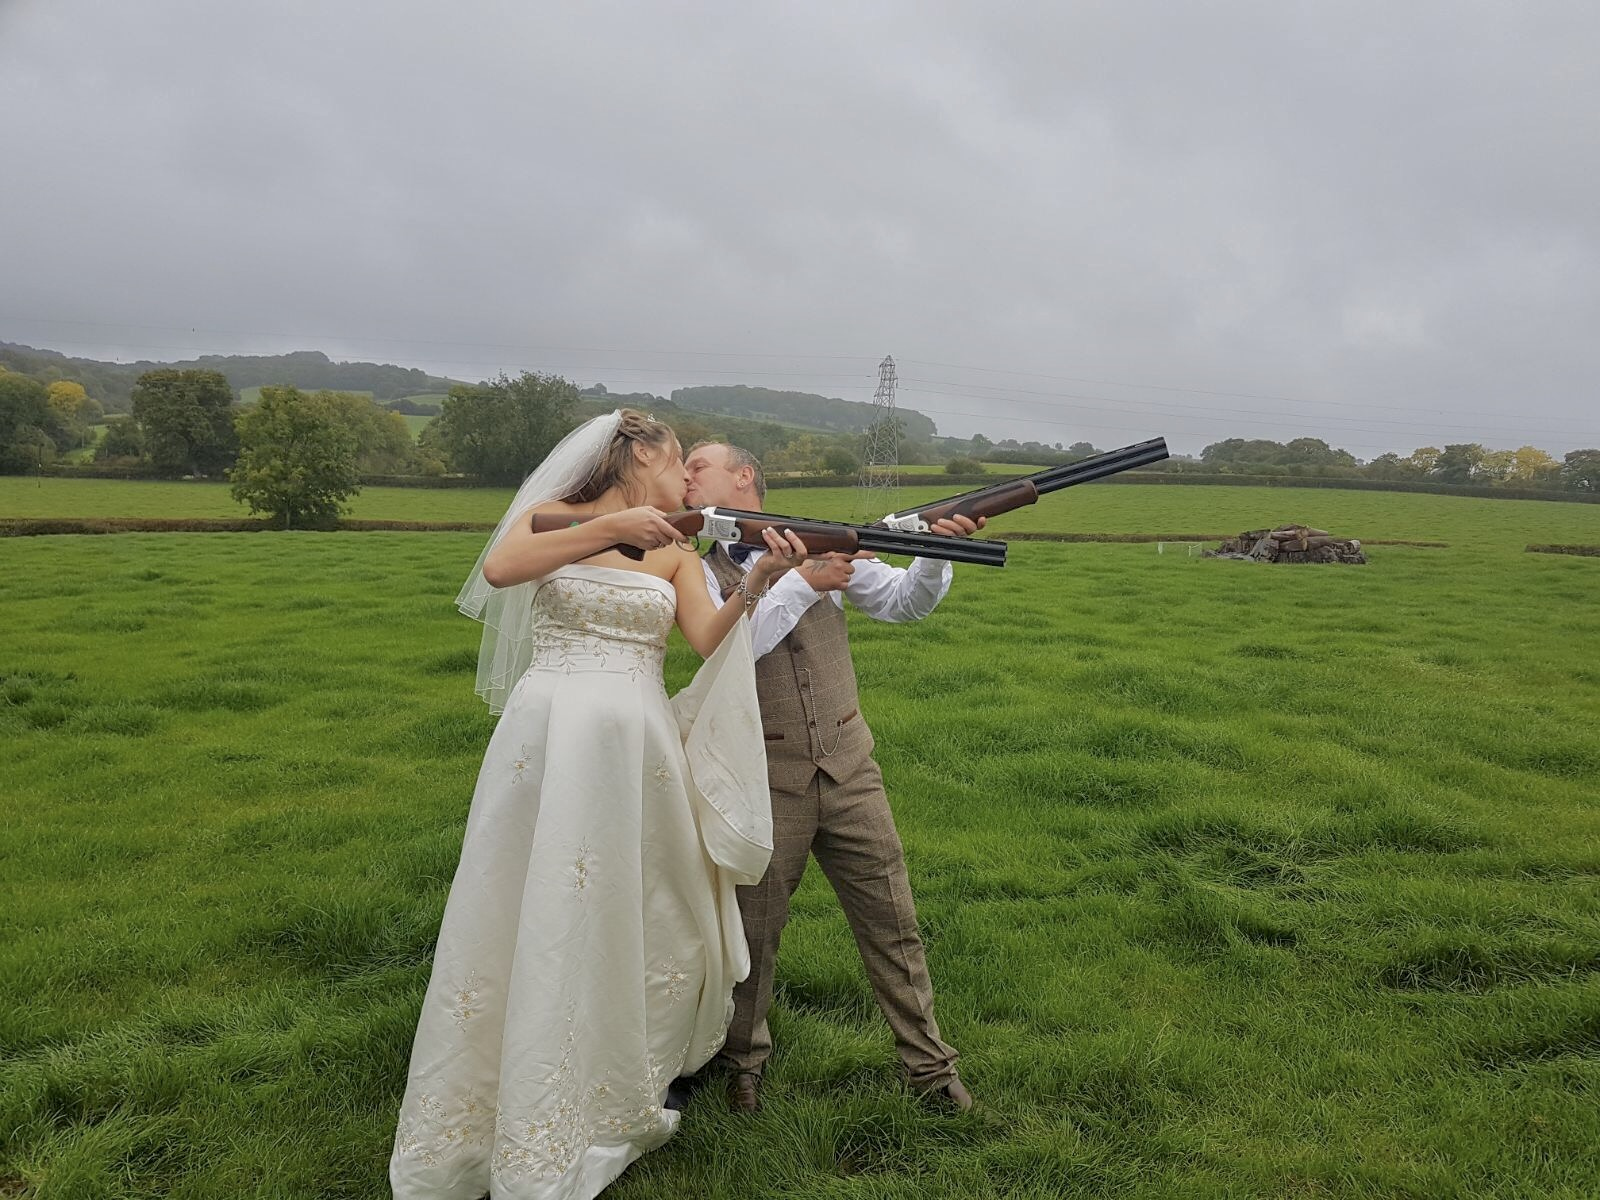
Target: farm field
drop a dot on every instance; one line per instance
(1237, 880)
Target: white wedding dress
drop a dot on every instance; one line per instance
(591, 939)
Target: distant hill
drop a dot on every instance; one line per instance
(796, 408)
(751, 415)
(760, 437)
(112, 383)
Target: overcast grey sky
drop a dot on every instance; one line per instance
(1371, 222)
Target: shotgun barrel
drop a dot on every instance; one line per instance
(1011, 494)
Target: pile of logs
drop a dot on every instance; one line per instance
(1290, 543)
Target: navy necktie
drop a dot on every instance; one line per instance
(740, 554)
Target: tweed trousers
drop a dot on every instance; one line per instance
(828, 801)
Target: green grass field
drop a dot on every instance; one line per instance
(1237, 880)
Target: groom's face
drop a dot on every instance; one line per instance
(710, 480)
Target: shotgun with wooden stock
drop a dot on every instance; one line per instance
(820, 537)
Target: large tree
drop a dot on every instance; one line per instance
(69, 399)
(805, 455)
(124, 439)
(187, 417)
(383, 440)
(1580, 471)
(30, 430)
(1458, 462)
(1316, 452)
(501, 430)
(1390, 466)
(75, 409)
(1496, 466)
(297, 458)
(1423, 459)
(1531, 465)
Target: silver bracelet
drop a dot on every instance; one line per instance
(750, 598)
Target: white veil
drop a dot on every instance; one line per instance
(507, 613)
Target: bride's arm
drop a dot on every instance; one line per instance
(522, 554)
(704, 625)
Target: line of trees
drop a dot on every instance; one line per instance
(1314, 458)
(1456, 463)
(186, 423)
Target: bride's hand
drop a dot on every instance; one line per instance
(644, 527)
(785, 551)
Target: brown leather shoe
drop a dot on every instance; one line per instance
(953, 1094)
(744, 1092)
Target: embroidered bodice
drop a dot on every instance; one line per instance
(589, 618)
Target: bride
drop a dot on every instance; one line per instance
(591, 939)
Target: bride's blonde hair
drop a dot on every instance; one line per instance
(617, 464)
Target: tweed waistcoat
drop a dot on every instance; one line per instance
(810, 708)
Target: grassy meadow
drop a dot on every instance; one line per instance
(1237, 880)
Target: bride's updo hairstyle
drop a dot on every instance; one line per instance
(617, 464)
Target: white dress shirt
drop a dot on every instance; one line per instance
(882, 591)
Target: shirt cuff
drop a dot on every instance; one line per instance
(939, 567)
(794, 594)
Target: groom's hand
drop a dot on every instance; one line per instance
(831, 572)
(957, 525)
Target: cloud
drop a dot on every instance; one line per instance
(1362, 222)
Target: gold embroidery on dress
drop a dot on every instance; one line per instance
(466, 1005)
(676, 977)
(580, 868)
(589, 625)
(571, 1122)
(427, 1133)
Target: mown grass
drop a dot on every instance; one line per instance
(1236, 880)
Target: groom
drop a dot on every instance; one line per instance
(827, 792)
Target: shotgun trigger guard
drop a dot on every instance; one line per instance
(910, 523)
(718, 527)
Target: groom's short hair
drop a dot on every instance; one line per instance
(738, 457)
